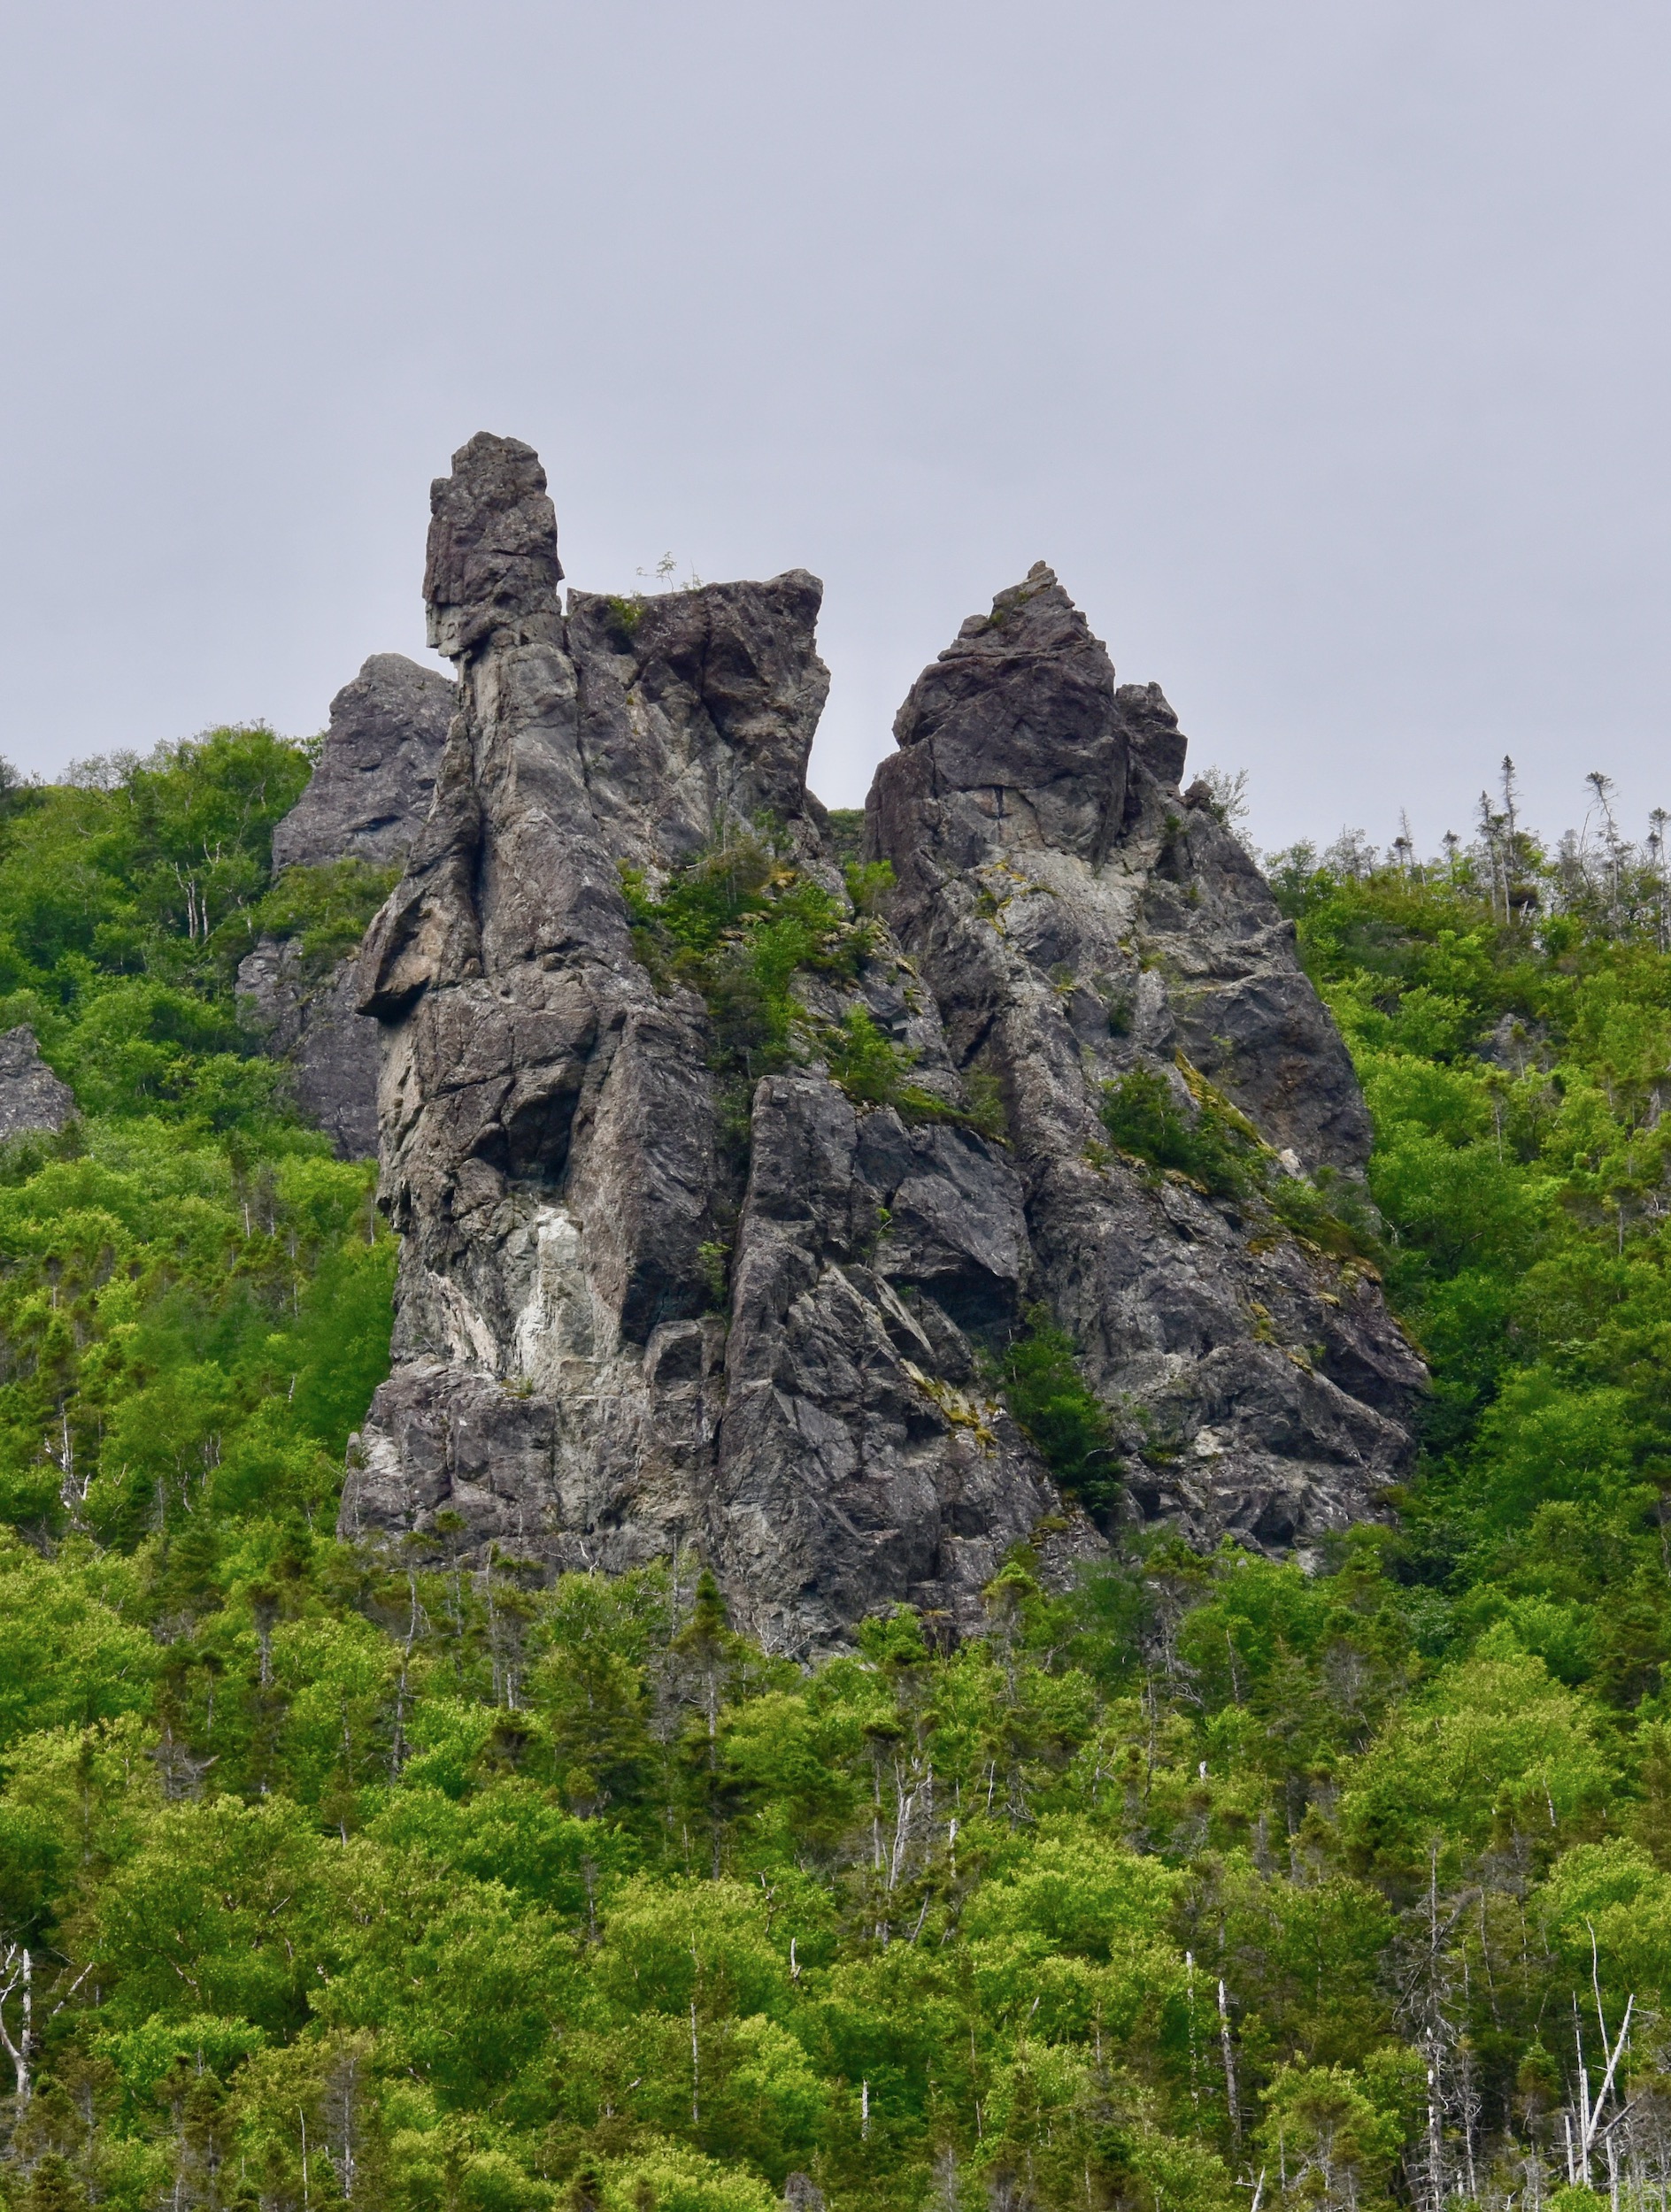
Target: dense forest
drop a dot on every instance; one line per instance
(341, 1878)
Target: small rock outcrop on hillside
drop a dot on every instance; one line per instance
(33, 1102)
(667, 1286)
(370, 789)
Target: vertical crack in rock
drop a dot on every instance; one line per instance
(563, 1167)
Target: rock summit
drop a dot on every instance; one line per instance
(674, 1284)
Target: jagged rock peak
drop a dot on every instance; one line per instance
(1021, 715)
(667, 1283)
(492, 565)
(376, 772)
(1019, 751)
(1079, 923)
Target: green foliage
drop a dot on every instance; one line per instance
(865, 1062)
(325, 908)
(408, 1880)
(739, 925)
(1515, 1067)
(847, 835)
(183, 1324)
(868, 883)
(1064, 1418)
(194, 1297)
(144, 865)
(1217, 1148)
(1144, 1119)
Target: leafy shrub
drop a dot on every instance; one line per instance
(865, 1062)
(736, 926)
(868, 883)
(1330, 1210)
(1053, 1402)
(1140, 1115)
(327, 908)
(847, 833)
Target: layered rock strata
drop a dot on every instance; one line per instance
(370, 789)
(620, 1332)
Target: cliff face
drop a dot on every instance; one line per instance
(1077, 917)
(376, 772)
(652, 1297)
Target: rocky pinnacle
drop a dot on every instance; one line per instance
(630, 1326)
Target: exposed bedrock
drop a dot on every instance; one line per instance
(622, 1329)
(1075, 916)
(376, 771)
(370, 789)
(33, 1102)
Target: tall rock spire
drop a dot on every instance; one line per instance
(662, 1291)
(1080, 920)
(492, 569)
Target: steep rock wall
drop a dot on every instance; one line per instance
(557, 1156)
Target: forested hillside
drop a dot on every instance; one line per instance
(403, 1879)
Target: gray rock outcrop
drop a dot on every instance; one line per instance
(1051, 876)
(376, 771)
(646, 1304)
(33, 1102)
(371, 788)
(312, 1022)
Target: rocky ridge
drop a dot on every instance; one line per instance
(662, 1291)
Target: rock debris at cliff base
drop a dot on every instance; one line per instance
(670, 1282)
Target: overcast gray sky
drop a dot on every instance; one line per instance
(1320, 346)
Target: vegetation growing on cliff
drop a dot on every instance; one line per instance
(1066, 1419)
(739, 925)
(409, 1883)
